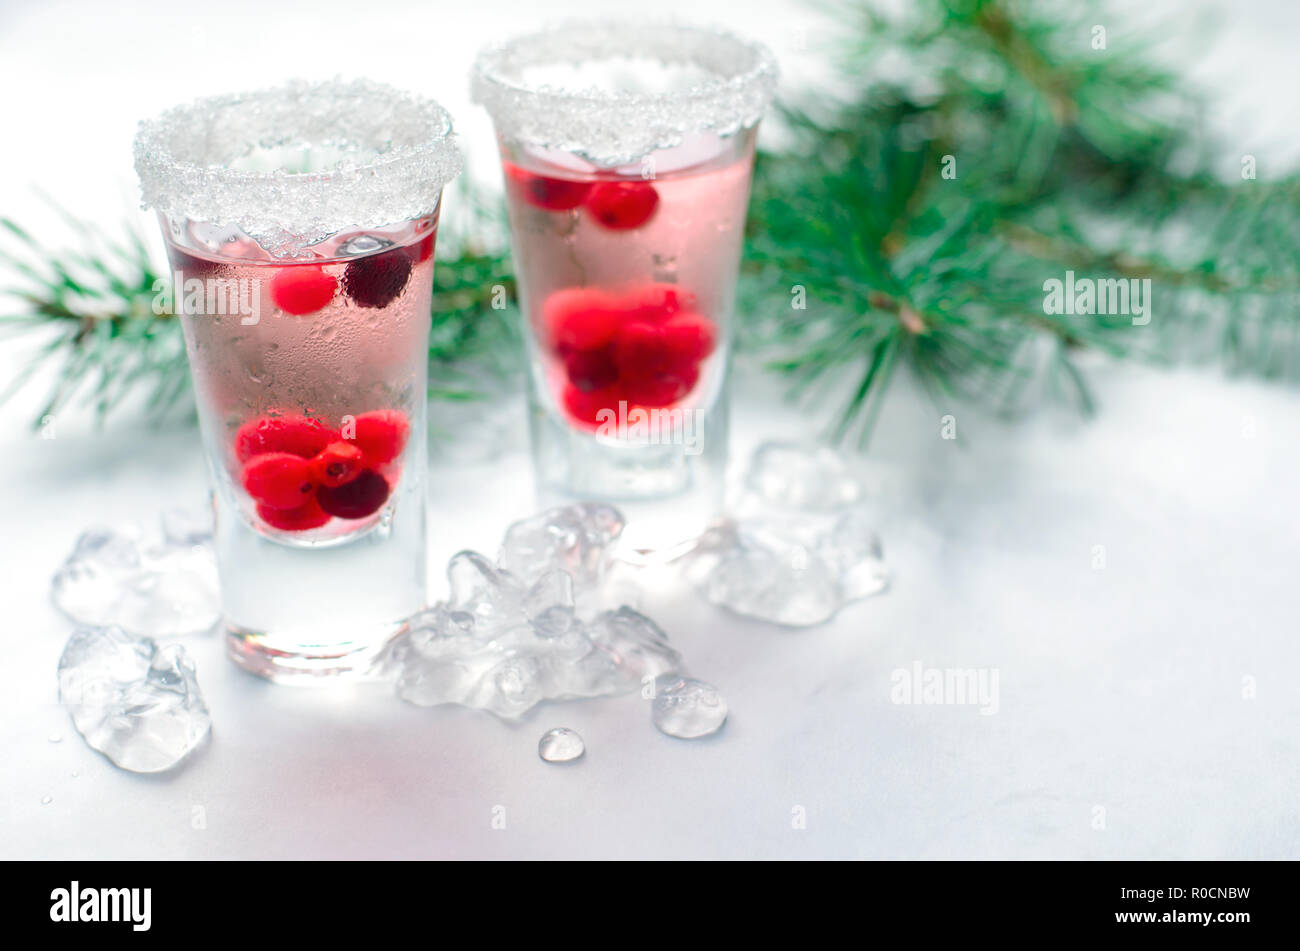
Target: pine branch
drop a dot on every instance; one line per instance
(1065, 158)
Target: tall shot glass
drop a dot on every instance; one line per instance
(300, 224)
(627, 150)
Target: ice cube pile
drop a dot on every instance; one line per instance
(136, 702)
(149, 584)
(536, 624)
(799, 543)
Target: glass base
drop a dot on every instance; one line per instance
(297, 613)
(668, 492)
(252, 651)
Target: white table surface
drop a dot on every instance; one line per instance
(1121, 688)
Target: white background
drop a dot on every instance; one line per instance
(1121, 688)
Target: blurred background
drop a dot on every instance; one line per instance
(1122, 686)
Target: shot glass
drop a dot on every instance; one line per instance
(300, 224)
(627, 150)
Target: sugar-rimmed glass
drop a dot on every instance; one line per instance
(300, 224)
(627, 150)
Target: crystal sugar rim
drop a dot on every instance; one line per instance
(612, 128)
(396, 152)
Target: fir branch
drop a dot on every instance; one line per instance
(1066, 158)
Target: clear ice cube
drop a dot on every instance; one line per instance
(636, 644)
(136, 702)
(771, 573)
(510, 673)
(800, 544)
(185, 527)
(801, 476)
(507, 640)
(549, 603)
(579, 539)
(854, 551)
(687, 708)
(154, 586)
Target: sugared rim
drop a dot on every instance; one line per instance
(395, 153)
(608, 127)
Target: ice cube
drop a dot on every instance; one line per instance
(687, 708)
(492, 597)
(187, 527)
(801, 476)
(510, 636)
(512, 688)
(637, 645)
(153, 587)
(853, 548)
(437, 660)
(137, 703)
(549, 603)
(578, 538)
(771, 573)
(799, 543)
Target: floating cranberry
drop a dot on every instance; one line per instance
(301, 289)
(590, 370)
(585, 407)
(643, 351)
(380, 435)
(581, 318)
(280, 480)
(662, 389)
(375, 281)
(423, 249)
(657, 302)
(364, 495)
(306, 516)
(549, 194)
(621, 206)
(690, 336)
(298, 435)
(337, 463)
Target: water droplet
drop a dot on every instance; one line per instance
(560, 745)
(56, 737)
(687, 708)
(46, 800)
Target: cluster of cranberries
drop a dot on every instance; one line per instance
(641, 345)
(616, 205)
(371, 281)
(301, 473)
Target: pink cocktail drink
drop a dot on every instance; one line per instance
(628, 281)
(626, 151)
(300, 225)
(309, 405)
